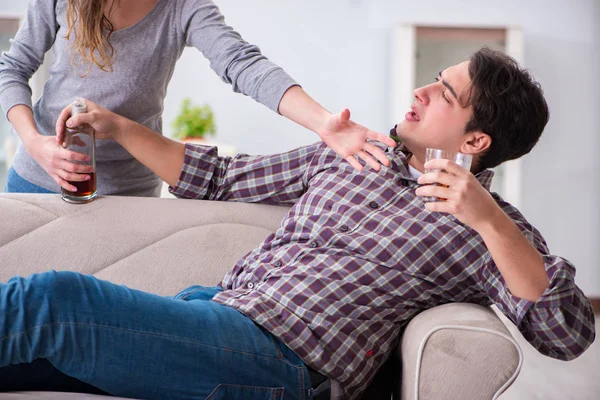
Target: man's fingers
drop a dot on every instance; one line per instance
(74, 121)
(438, 191)
(345, 115)
(448, 165)
(354, 163)
(80, 119)
(60, 124)
(378, 154)
(437, 206)
(369, 160)
(380, 137)
(437, 177)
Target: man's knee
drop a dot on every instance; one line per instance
(56, 287)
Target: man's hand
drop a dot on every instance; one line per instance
(464, 196)
(519, 262)
(107, 125)
(349, 139)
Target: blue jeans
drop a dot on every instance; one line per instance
(16, 184)
(134, 344)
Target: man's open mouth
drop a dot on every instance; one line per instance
(412, 115)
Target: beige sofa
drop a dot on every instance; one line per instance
(455, 351)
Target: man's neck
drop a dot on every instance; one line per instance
(415, 163)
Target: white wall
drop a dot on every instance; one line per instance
(339, 50)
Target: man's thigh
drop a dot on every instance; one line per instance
(135, 344)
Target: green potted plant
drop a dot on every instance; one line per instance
(193, 123)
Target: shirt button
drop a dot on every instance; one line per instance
(250, 285)
(313, 245)
(278, 263)
(374, 205)
(344, 228)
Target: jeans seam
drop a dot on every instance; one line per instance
(83, 325)
(302, 380)
(300, 369)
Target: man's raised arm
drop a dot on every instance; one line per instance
(198, 172)
(161, 155)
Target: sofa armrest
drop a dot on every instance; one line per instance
(457, 351)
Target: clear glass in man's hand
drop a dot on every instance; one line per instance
(463, 160)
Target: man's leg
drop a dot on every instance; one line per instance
(135, 344)
(40, 375)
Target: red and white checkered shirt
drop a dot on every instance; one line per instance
(358, 255)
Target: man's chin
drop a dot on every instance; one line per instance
(405, 137)
(401, 131)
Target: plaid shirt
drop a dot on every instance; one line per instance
(358, 255)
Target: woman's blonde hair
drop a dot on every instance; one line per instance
(87, 20)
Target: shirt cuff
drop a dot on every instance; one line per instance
(197, 172)
(559, 291)
(273, 87)
(13, 96)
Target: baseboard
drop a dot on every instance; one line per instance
(595, 304)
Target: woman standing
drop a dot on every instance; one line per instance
(122, 54)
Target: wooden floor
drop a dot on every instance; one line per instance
(543, 378)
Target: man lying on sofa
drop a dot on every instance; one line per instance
(357, 256)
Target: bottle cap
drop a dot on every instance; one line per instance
(78, 106)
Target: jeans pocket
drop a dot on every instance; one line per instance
(243, 392)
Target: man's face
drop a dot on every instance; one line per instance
(438, 117)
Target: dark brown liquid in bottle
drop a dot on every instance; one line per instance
(84, 188)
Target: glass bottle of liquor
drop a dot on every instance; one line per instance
(81, 139)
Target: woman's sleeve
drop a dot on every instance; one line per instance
(33, 39)
(236, 61)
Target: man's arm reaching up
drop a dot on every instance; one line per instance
(161, 155)
(198, 172)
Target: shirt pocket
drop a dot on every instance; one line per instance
(228, 392)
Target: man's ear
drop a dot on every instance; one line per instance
(476, 143)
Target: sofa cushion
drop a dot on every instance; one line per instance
(158, 245)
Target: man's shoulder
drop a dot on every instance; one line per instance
(514, 214)
(507, 207)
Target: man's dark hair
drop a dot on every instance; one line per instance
(508, 105)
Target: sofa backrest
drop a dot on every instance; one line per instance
(157, 245)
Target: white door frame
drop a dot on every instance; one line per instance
(403, 84)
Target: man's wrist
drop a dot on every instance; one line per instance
(122, 125)
(496, 220)
(323, 118)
